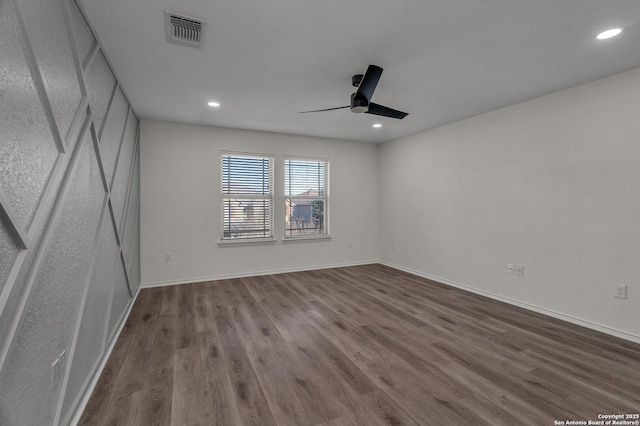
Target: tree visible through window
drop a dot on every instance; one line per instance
(306, 197)
(247, 196)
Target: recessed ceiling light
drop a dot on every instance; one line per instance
(213, 104)
(609, 33)
(377, 125)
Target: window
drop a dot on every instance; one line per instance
(247, 196)
(306, 189)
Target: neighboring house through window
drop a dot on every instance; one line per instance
(306, 197)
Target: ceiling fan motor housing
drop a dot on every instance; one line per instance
(358, 104)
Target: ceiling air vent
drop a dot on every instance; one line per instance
(183, 29)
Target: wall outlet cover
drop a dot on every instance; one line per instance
(55, 372)
(519, 270)
(620, 291)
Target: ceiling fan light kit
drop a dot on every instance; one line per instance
(361, 99)
(358, 104)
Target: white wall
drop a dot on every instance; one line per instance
(552, 184)
(180, 204)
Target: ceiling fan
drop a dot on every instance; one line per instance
(361, 99)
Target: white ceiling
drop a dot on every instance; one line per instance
(443, 60)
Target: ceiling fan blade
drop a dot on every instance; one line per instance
(328, 109)
(369, 83)
(376, 109)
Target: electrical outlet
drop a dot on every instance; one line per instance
(510, 268)
(167, 256)
(57, 368)
(55, 372)
(63, 362)
(519, 270)
(620, 291)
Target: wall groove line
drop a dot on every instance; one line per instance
(126, 273)
(86, 63)
(76, 123)
(115, 225)
(125, 209)
(66, 6)
(108, 110)
(105, 333)
(115, 167)
(96, 143)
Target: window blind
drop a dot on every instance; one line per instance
(247, 196)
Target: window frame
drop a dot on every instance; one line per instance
(325, 197)
(269, 197)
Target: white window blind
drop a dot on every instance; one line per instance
(247, 196)
(306, 197)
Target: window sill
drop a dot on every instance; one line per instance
(306, 238)
(235, 241)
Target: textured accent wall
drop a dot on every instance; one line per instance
(69, 209)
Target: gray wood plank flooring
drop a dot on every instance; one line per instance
(366, 345)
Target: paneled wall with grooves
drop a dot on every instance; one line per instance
(69, 209)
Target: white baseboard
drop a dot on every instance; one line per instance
(558, 315)
(252, 274)
(105, 357)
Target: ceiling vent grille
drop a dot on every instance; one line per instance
(183, 29)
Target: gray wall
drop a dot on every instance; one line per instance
(552, 184)
(69, 209)
(180, 204)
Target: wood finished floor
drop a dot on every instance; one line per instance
(366, 345)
